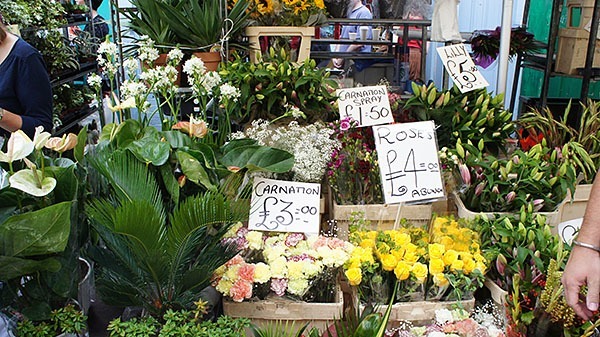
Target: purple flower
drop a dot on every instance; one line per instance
(479, 188)
(279, 285)
(293, 238)
(538, 204)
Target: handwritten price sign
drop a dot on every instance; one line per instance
(285, 206)
(461, 68)
(408, 161)
(367, 105)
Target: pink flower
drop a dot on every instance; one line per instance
(238, 259)
(278, 286)
(240, 290)
(293, 238)
(465, 174)
(246, 272)
(479, 188)
(538, 204)
(345, 124)
(510, 196)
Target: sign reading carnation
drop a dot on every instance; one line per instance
(285, 206)
(366, 105)
(408, 161)
(461, 68)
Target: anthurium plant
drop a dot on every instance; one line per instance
(39, 232)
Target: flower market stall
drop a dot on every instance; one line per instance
(283, 205)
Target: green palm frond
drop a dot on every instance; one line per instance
(129, 178)
(278, 328)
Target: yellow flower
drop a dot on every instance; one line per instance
(367, 243)
(447, 241)
(469, 265)
(402, 271)
(255, 239)
(481, 266)
(440, 280)
(320, 4)
(457, 265)
(295, 269)
(354, 276)
(402, 239)
(436, 250)
(388, 262)
(450, 256)
(224, 285)
(419, 270)
(262, 273)
(297, 286)
(436, 266)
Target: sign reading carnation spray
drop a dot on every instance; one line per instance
(461, 68)
(366, 105)
(408, 161)
(285, 206)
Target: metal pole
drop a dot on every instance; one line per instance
(504, 52)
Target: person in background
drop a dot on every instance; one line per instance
(356, 10)
(583, 267)
(100, 27)
(25, 90)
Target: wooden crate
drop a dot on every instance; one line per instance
(574, 209)
(317, 315)
(552, 218)
(381, 216)
(421, 312)
(572, 50)
(582, 9)
(305, 33)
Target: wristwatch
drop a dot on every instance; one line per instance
(1, 113)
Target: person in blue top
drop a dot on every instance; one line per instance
(356, 10)
(25, 90)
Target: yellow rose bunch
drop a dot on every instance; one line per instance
(442, 264)
(288, 12)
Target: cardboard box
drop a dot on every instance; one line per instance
(572, 50)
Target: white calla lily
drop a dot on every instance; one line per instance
(19, 146)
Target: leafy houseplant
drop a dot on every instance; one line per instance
(39, 230)
(187, 192)
(274, 86)
(68, 320)
(203, 25)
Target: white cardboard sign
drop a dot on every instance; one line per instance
(408, 161)
(285, 206)
(366, 105)
(461, 68)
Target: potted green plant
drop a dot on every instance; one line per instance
(205, 26)
(146, 19)
(68, 321)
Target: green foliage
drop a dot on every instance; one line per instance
(163, 236)
(67, 319)
(477, 116)
(200, 24)
(270, 87)
(179, 323)
(279, 328)
(584, 141)
(146, 18)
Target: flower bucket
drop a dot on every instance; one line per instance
(211, 59)
(261, 312)
(552, 218)
(573, 209)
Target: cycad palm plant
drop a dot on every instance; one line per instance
(151, 256)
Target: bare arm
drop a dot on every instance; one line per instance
(10, 122)
(583, 267)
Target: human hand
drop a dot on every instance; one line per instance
(583, 268)
(338, 63)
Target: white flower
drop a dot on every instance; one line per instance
(94, 81)
(132, 89)
(296, 112)
(210, 80)
(194, 67)
(131, 65)
(443, 316)
(19, 146)
(175, 55)
(229, 92)
(108, 48)
(436, 334)
(147, 53)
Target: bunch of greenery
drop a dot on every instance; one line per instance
(276, 88)
(540, 177)
(68, 319)
(179, 323)
(476, 116)
(519, 248)
(557, 131)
